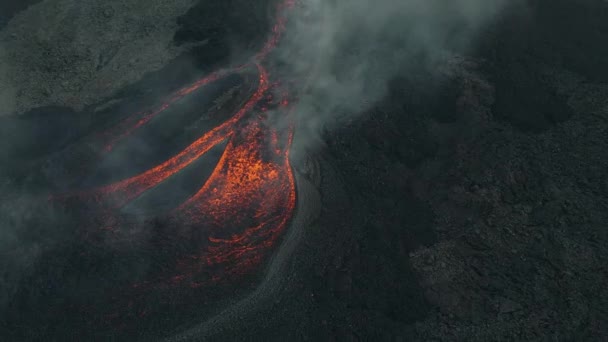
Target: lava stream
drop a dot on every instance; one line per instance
(250, 196)
(252, 187)
(126, 190)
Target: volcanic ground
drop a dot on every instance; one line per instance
(172, 191)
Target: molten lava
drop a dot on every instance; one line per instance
(125, 191)
(251, 187)
(246, 203)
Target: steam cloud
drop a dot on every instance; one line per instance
(346, 51)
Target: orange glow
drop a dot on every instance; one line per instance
(125, 191)
(250, 196)
(252, 187)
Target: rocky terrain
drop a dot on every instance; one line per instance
(507, 171)
(468, 204)
(80, 52)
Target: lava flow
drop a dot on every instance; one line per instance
(247, 201)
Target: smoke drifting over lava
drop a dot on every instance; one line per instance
(340, 55)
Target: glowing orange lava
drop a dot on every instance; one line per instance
(250, 196)
(251, 187)
(125, 191)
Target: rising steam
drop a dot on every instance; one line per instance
(346, 51)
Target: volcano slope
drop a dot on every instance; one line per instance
(465, 205)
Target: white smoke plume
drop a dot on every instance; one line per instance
(346, 51)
